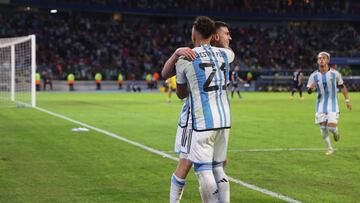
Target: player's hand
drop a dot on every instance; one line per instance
(313, 86)
(348, 106)
(309, 91)
(187, 52)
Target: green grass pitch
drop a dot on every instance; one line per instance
(42, 160)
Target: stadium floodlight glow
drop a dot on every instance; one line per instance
(17, 70)
(53, 11)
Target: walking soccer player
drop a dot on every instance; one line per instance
(327, 81)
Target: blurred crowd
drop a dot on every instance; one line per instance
(276, 48)
(245, 6)
(88, 43)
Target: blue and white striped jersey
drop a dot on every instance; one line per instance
(185, 118)
(207, 77)
(326, 85)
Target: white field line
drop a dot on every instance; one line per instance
(277, 149)
(166, 155)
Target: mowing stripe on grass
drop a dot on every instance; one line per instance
(166, 155)
(269, 150)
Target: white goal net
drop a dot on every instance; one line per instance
(17, 71)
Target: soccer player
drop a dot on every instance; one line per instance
(207, 77)
(297, 86)
(171, 82)
(327, 81)
(235, 79)
(183, 136)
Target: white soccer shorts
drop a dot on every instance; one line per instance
(183, 141)
(209, 146)
(331, 117)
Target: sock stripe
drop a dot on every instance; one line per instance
(217, 164)
(202, 167)
(177, 182)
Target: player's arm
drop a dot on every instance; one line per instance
(182, 91)
(240, 79)
(346, 96)
(311, 86)
(168, 69)
(341, 84)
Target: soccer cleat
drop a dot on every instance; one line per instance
(329, 152)
(336, 136)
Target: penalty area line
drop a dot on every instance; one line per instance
(166, 155)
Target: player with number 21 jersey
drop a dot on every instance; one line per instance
(209, 78)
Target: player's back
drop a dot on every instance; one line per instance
(296, 75)
(207, 77)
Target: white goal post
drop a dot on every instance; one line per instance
(17, 70)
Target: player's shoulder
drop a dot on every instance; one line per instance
(229, 53)
(334, 71)
(314, 73)
(197, 49)
(182, 61)
(226, 50)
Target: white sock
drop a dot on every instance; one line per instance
(325, 135)
(222, 183)
(176, 189)
(208, 188)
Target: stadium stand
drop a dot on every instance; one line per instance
(86, 42)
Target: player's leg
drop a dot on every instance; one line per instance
(332, 125)
(300, 92)
(178, 177)
(178, 180)
(220, 153)
(238, 91)
(321, 119)
(201, 154)
(232, 90)
(325, 135)
(169, 93)
(293, 91)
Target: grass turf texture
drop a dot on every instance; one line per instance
(42, 160)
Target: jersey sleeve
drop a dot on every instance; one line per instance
(229, 53)
(310, 81)
(180, 66)
(339, 80)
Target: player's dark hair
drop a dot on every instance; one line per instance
(219, 24)
(205, 26)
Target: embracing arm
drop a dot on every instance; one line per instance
(168, 69)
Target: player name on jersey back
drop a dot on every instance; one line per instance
(207, 77)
